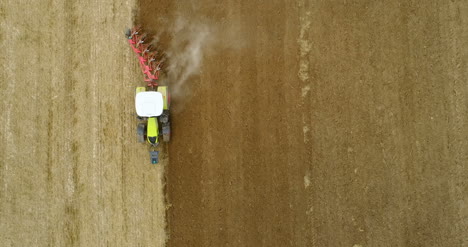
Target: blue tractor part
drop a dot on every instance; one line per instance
(154, 156)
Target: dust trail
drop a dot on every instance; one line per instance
(191, 42)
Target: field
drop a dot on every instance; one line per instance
(321, 123)
(295, 123)
(71, 170)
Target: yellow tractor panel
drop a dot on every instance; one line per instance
(152, 130)
(163, 91)
(140, 89)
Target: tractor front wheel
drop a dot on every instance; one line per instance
(141, 129)
(166, 131)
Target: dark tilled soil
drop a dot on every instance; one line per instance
(321, 123)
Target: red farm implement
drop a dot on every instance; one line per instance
(148, 58)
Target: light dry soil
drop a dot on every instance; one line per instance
(321, 123)
(71, 170)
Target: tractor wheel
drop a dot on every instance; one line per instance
(128, 32)
(166, 130)
(141, 132)
(164, 118)
(168, 100)
(141, 138)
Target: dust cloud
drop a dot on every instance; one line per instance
(191, 41)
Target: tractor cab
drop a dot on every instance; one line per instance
(149, 104)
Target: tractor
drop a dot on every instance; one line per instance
(152, 101)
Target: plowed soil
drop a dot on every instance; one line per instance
(321, 123)
(71, 170)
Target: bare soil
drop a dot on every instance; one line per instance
(333, 123)
(71, 170)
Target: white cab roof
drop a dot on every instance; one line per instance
(149, 104)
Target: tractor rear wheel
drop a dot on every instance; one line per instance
(164, 118)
